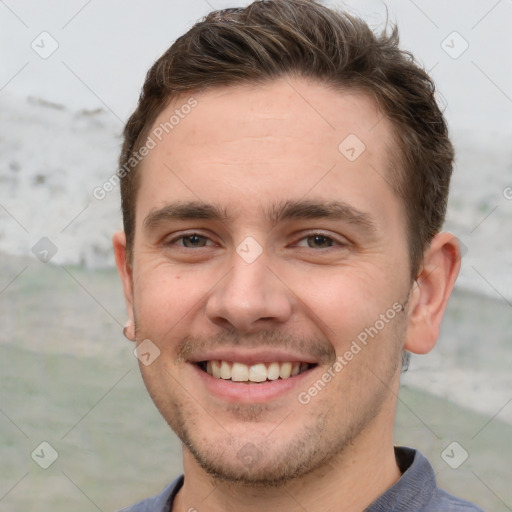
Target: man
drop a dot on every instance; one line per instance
(284, 180)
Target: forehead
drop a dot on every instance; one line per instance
(287, 112)
(287, 138)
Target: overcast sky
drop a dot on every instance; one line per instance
(105, 47)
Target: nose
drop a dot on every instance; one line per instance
(251, 296)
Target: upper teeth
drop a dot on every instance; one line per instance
(259, 372)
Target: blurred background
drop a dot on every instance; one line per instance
(70, 76)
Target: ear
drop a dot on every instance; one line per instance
(431, 291)
(125, 272)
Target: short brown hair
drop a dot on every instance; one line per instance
(271, 39)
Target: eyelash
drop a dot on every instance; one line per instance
(305, 237)
(186, 235)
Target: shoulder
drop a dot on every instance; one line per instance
(441, 501)
(417, 489)
(435, 498)
(161, 502)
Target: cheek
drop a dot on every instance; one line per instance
(342, 302)
(165, 298)
(342, 294)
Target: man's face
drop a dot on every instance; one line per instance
(261, 241)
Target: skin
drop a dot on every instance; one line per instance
(246, 151)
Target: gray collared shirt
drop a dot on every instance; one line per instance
(416, 491)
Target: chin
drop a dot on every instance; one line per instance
(251, 467)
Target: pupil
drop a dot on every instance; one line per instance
(319, 241)
(192, 240)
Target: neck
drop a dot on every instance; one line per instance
(350, 481)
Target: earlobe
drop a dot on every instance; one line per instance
(125, 272)
(129, 331)
(431, 291)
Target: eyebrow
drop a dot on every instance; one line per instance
(286, 210)
(311, 209)
(188, 210)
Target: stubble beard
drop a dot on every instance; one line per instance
(313, 447)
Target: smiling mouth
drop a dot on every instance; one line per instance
(255, 373)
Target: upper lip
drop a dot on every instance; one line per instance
(250, 357)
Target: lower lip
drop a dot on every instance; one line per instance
(253, 392)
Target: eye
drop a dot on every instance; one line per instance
(191, 241)
(316, 241)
